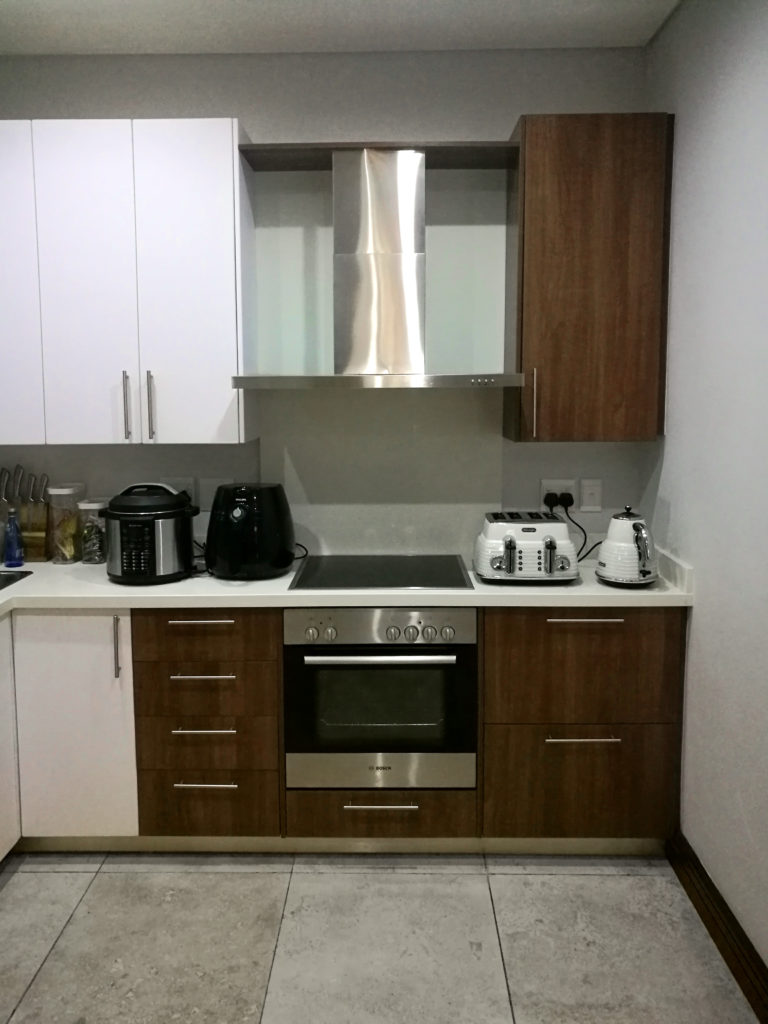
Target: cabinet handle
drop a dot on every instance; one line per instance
(201, 622)
(381, 807)
(176, 678)
(585, 739)
(535, 401)
(116, 643)
(587, 621)
(205, 785)
(203, 732)
(126, 419)
(150, 405)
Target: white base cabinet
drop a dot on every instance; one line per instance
(77, 750)
(10, 827)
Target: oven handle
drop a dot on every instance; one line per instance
(380, 659)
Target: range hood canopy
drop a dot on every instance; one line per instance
(379, 270)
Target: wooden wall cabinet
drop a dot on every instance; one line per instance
(206, 697)
(582, 712)
(592, 277)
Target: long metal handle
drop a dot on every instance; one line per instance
(203, 732)
(116, 643)
(150, 404)
(585, 739)
(205, 785)
(587, 621)
(126, 418)
(177, 677)
(381, 807)
(380, 659)
(201, 622)
(535, 401)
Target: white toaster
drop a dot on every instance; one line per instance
(520, 547)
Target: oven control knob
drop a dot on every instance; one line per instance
(411, 633)
(447, 632)
(329, 633)
(393, 633)
(429, 633)
(311, 634)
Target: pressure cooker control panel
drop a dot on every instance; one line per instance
(401, 626)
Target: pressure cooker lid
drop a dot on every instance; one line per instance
(150, 498)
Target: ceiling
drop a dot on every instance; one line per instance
(30, 27)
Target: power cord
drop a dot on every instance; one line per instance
(566, 501)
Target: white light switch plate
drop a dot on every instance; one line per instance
(591, 496)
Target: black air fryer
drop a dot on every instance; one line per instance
(250, 532)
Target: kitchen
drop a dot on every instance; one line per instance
(708, 67)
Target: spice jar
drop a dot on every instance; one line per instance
(92, 530)
(63, 535)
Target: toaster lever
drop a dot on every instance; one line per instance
(506, 562)
(550, 547)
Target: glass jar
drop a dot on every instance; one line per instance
(63, 534)
(92, 530)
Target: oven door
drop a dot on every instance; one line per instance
(367, 717)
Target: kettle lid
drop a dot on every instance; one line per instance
(627, 514)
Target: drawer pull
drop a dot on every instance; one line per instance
(585, 739)
(201, 622)
(381, 807)
(587, 621)
(177, 677)
(205, 785)
(203, 732)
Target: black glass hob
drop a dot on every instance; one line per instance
(404, 572)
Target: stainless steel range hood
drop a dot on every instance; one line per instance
(379, 279)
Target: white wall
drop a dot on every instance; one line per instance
(710, 66)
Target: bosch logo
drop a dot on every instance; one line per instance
(379, 767)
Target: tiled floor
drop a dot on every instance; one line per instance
(150, 939)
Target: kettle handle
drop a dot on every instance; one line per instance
(643, 543)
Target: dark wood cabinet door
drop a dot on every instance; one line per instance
(195, 802)
(592, 781)
(593, 271)
(222, 743)
(206, 634)
(583, 665)
(205, 687)
(381, 814)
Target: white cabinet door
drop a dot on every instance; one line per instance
(87, 258)
(185, 238)
(10, 828)
(77, 750)
(21, 406)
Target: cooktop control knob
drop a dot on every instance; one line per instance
(329, 633)
(311, 634)
(447, 632)
(411, 633)
(429, 633)
(393, 633)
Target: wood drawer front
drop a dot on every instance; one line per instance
(337, 812)
(205, 688)
(579, 665)
(609, 789)
(205, 634)
(223, 743)
(250, 809)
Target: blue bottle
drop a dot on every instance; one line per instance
(14, 550)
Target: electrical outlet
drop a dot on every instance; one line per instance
(591, 496)
(558, 486)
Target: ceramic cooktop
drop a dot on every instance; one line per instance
(404, 572)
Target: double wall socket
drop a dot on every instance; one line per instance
(587, 494)
(558, 487)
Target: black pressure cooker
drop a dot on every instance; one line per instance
(149, 534)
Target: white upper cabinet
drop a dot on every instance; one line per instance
(21, 409)
(87, 260)
(186, 264)
(10, 827)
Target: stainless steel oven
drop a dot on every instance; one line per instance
(380, 697)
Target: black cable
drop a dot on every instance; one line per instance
(595, 545)
(298, 558)
(578, 527)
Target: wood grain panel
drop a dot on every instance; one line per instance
(221, 743)
(249, 810)
(440, 813)
(205, 687)
(564, 665)
(535, 788)
(205, 634)
(594, 241)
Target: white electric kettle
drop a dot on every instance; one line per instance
(627, 556)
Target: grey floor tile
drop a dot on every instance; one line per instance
(577, 865)
(406, 862)
(381, 947)
(610, 950)
(152, 948)
(206, 862)
(33, 911)
(86, 862)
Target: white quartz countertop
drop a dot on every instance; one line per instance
(87, 587)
